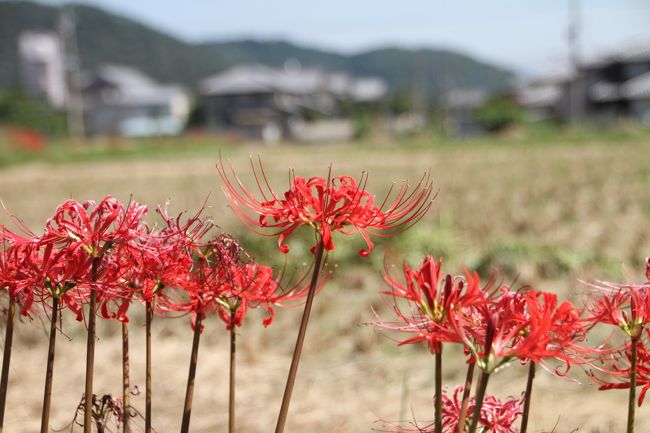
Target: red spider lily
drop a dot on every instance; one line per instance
(94, 227)
(530, 326)
(253, 285)
(49, 272)
(167, 258)
(221, 281)
(497, 416)
(16, 251)
(626, 306)
(433, 300)
(339, 204)
(618, 368)
(78, 250)
(204, 282)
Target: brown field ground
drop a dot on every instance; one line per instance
(549, 214)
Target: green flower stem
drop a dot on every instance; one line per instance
(126, 389)
(286, 398)
(462, 417)
(631, 404)
(6, 359)
(187, 408)
(438, 395)
(231, 394)
(147, 408)
(90, 364)
(480, 395)
(49, 372)
(529, 391)
(90, 351)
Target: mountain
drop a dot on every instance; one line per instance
(104, 37)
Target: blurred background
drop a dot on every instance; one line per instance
(534, 118)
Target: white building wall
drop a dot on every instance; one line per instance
(42, 66)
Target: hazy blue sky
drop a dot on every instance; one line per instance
(528, 35)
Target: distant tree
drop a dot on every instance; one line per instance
(20, 110)
(400, 102)
(499, 112)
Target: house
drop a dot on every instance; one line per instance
(269, 103)
(618, 84)
(608, 88)
(546, 97)
(460, 106)
(120, 100)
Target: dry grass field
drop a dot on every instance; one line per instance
(549, 215)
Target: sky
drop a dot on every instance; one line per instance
(527, 35)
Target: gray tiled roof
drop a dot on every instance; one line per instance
(248, 79)
(134, 87)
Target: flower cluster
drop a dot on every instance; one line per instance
(494, 325)
(79, 253)
(108, 249)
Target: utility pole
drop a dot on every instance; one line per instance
(74, 99)
(576, 85)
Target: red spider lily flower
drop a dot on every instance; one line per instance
(47, 272)
(625, 306)
(116, 284)
(497, 416)
(618, 369)
(107, 232)
(11, 275)
(251, 285)
(529, 326)
(340, 204)
(223, 279)
(37, 271)
(433, 300)
(203, 284)
(94, 227)
(16, 250)
(550, 331)
(178, 258)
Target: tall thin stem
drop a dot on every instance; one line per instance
(6, 359)
(147, 407)
(90, 364)
(462, 417)
(90, 351)
(126, 389)
(231, 395)
(480, 395)
(631, 404)
(187, 408)
(438, 396)
(529, 391)
(49, 372)
(288, 390)
(485, 371)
